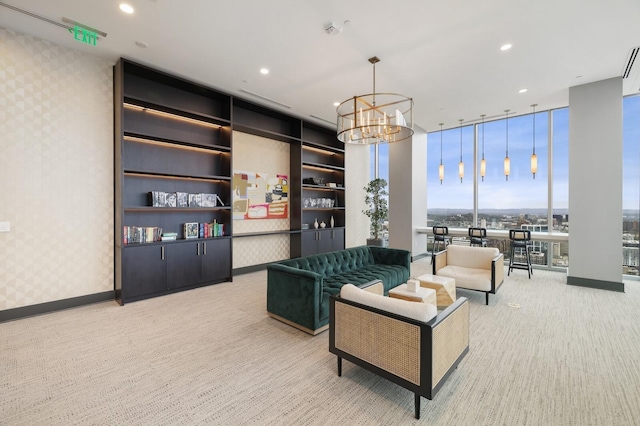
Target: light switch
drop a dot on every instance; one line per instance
(5, 226)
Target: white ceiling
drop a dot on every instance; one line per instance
(443, 54)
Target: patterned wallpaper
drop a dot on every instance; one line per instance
(56, 172)
(258, 154)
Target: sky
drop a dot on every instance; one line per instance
(521, 190)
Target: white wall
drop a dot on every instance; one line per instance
(357, 167)
(408, 193)
(56, 172)
(595, 184)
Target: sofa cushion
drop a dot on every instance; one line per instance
(414, 310)
(335, 262)
(471, 257)
(471, 278)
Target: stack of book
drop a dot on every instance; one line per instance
(141, 234)
(183, 199)
(203, 230)
(169, 236)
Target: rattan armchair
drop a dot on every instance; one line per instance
(418, 356)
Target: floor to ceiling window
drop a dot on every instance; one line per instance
(630, 184)
(560, 179)
(450, 201)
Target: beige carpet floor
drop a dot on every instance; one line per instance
(565, 356)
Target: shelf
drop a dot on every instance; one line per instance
(261, 234)
(178, 241)
(322, 187)
(173, 113)
(316, 209)
(140, 173)
(322, 167)
(213, 149)
(175, 209)
(323, 149)
(265, 133)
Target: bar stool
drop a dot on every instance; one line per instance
(440, 237)
(478, 237)
(520, 238)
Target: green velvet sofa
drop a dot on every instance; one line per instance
(298, 290)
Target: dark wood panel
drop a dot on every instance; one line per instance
(144, 157)
(216, 260)
(137, 188)
(184, 264)
(258, 117)
(143, 271)
(321, 136)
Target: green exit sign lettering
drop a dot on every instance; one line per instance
(85, 36)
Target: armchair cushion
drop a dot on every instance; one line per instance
(414, 310)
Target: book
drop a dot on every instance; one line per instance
(191, 230)
(195, 200)
(182, 199)
(219, 200)
(208, 200)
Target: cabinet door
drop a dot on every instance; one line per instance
(144, 271)
(309, 243)
(337, 239)
(184, 264)
(324, 241)
(216, 260)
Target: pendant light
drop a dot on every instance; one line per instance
(441, 168)
(461, 164)
(507, 161)
(376, 117)
(483, 162)
(534, 157)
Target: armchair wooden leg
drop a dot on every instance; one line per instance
(339, 367)
(417, 406)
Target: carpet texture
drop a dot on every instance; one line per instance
(566, 356)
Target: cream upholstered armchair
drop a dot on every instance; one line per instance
(408, 343)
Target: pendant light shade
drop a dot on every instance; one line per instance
(483, 162)
(441, 168)
(376, 117)
(507, 161)
(461, 164)
(534, 157)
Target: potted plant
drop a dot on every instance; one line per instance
(378, 210)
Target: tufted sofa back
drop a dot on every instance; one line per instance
(336, 262)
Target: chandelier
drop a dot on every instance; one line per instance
(376, 117)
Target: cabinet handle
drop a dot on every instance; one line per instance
(198, 246)
(161, 252)
(333, 234)
(319, 236)
(204, 249)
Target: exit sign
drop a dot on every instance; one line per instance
(85, 36)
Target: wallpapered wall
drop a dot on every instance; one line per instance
(257, 154)
(56, 172)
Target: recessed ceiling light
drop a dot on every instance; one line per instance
(505, 47)
(522, 91)
(142, 44)
(264, 71)
(336, 104)
(126, 8)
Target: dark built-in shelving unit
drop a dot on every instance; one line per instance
(172, 135)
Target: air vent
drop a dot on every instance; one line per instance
(264, 98)
(631, 73)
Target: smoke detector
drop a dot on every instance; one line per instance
(332, 29)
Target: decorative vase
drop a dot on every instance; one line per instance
(331, 222)
(323, 225)
(315, 223)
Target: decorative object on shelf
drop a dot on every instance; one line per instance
(315, 223)
(331, 221)
(313, 181)
(507, 161)
(441, 168)
(208, 200)
(305, 226)
(182, 199)
(141, 234)
(376, 117)
(461, 164)
(534, 157)
(378, 210)
(191, 230)
(483, 162)
(323, 225)
(195, 200)
(258, 195)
